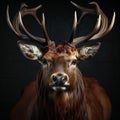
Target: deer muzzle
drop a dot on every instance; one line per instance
(59, 82)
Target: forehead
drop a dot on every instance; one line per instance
(60, 50)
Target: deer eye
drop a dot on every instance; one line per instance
(44, 61)
(74, 62)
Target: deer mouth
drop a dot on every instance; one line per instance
(60, 88)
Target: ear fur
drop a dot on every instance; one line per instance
(31, 52)
(86, 52)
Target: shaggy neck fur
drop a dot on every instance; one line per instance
(74, 108)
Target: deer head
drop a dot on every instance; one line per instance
(59, 60)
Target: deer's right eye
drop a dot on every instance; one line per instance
(44, 61)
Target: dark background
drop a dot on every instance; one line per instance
(16, 71)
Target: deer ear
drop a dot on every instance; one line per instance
(31, 52)
(86, 52)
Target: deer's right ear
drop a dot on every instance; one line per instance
(31, 52)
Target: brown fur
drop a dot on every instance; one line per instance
(84, 99)
(92, 103)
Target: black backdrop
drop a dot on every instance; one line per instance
(16, 71)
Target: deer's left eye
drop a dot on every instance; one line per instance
(74, 62)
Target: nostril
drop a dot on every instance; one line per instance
(64, 78)
(55, 78)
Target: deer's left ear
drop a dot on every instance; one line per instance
(86, 52)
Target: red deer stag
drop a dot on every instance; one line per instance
(60, 91)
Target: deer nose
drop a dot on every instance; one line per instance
(59, 79)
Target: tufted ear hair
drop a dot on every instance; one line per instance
(86, 52)
(31, 52)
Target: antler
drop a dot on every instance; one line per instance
(18, 23)
(101, 28)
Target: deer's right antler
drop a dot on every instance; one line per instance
(18, 23)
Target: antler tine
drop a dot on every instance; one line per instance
(42, 24)
(87, 37)
(28, 33)
(84, 11)
(31, 11)
(24, 11)
(96, 28)
(17, 23)
(102, 28)
(83, 8)
(48, 41)
(74, 27)
(14, 29)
